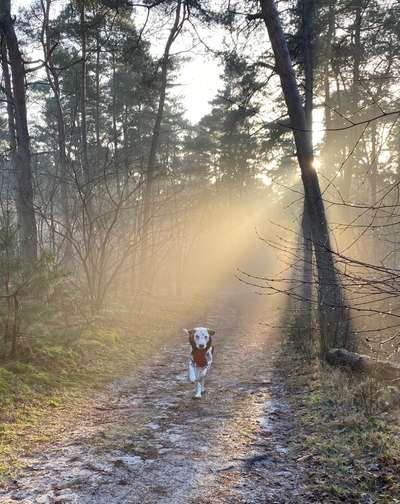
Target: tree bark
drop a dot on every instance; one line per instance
(307, 14)
(22, 158)
(307, 280)
(331, 313)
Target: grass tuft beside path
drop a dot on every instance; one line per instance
(348, 438)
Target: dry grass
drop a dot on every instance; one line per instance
(349, 436)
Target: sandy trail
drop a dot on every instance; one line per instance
(145, 440)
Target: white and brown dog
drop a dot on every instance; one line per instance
(201, 356)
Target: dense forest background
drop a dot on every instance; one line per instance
(112, 200)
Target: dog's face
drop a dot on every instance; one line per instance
(200, 335)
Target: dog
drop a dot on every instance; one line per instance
(201, 357)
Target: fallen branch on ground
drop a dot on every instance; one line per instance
(383, 370)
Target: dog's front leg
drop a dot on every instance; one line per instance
(198, 389)
(202, 383)
(197, 378)
(206, 370)
(192, 371)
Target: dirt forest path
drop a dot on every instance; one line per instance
(145, 440)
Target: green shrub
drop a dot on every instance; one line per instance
(21, 368)
(7, 379)
(56, 357)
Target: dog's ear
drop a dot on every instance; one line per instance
(190, 333)
(211, 332)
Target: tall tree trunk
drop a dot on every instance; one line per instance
(331, 313)
(116, 160)
(10, 117)
(377, 247)
(307, 36)
(22, 158)
(373, 170)
(328, 56)
(8, 90)
(63, 163)
(307, 15)
(150, 169)
(114, 113)
(328, 146)
(98, 98)
(354, 134)
(307, 291)
(84, 153)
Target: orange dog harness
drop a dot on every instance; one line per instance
(199, 355)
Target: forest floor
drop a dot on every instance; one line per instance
(144, 439)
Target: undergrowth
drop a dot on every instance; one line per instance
(46, 388)
(349, 441)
